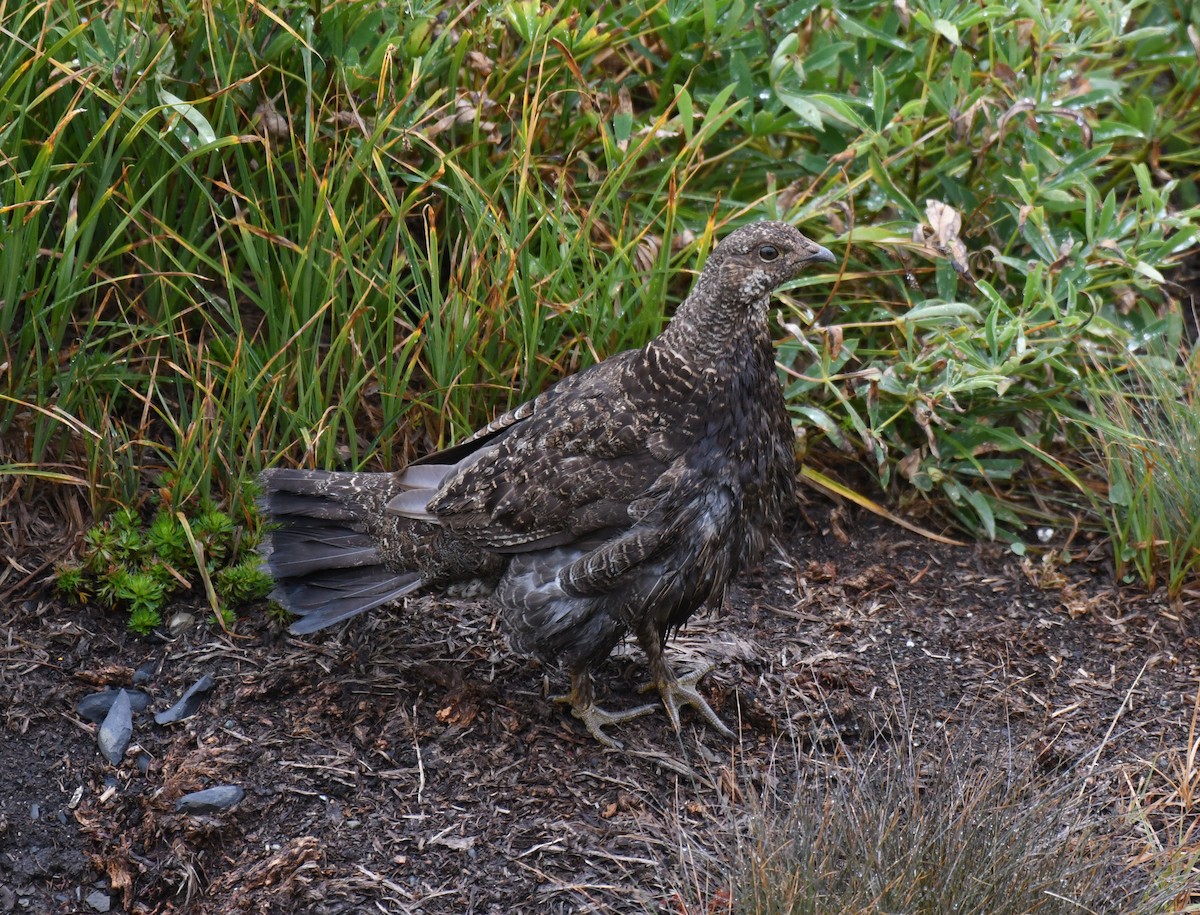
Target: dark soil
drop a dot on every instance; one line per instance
(409, 762)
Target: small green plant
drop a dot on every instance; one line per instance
(243, 582)
(168, 541)
(279, 616)
(215, 531)
(224, 618)
(142, 594)
(72, 582)
(111, 586)
(99, 549)
(143, 620)
(129, 566)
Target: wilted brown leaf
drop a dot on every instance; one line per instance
(946, 223)
(480, 63)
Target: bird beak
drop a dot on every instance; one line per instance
(822, 255)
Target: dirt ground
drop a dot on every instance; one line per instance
(409, 762)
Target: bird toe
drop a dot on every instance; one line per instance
(596, 719)
(678, 692)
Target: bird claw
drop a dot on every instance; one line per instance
(676, 692)
(596, 719)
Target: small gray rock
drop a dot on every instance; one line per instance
(188, 702)
(101, 902)
(180, 623)
(210, 800)
(145, 672)
(117, 729)
(95, 707)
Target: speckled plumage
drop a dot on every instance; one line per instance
(620, 500)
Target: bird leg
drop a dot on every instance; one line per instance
(595, 718)
(676, 691)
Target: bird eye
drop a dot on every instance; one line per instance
(768, 252)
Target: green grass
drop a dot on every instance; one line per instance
(1145, 425)
(338, 235)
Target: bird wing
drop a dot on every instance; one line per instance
(566, 464)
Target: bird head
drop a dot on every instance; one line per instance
(751, 262)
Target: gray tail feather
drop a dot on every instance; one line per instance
(325, 565)
(322, 600)
(320, 493)
(300, 547)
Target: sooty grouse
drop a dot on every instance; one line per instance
(621, 499)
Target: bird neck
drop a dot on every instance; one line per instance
(708, 326)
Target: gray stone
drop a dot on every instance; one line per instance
(188, 703)
(117, 730)
(145, 672)
(95, 707)
(210, 800)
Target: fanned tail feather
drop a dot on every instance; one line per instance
(325, 563)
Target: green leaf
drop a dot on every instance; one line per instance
(938, 312)
(879, 98)
(1118, 492)
(1147, 271)
(718, 113)
(983, 509)
(204, 131)
(824, 422)
(622, 127)
(839, 109)
(884, 179)
(739, 67)
(683, 104)
(947, 30)
(807, 111)
(860, 28)
(784, 57)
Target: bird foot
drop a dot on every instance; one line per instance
(597, 719)
(676, 692)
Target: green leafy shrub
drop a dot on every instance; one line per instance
(215, 531)
(72, 582)
(142, 594)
